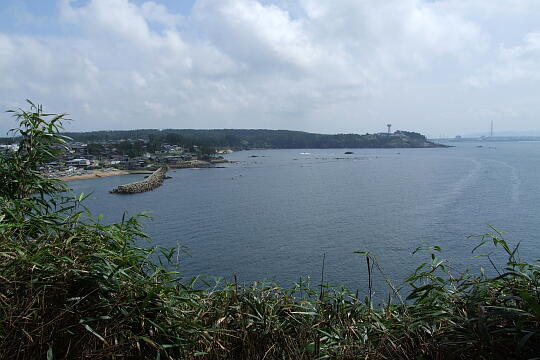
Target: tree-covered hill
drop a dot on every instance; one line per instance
(266, 139)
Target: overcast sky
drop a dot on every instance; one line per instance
(444, 67)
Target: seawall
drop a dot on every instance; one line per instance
(150, 183)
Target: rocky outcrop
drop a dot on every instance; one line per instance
(150, 183)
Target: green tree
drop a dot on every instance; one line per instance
(40, 143)
(95, 149)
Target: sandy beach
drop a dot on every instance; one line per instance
(193, 164)
(93, 175)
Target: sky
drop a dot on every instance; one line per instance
(439, 67)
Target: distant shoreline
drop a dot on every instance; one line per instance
(94, 175)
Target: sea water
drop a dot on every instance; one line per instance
(274, 214)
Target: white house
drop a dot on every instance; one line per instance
(78, 162)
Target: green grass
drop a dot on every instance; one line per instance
(74, 288)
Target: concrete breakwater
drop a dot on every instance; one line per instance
(150, 183)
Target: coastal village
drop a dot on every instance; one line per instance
(91, 155)
(118, 157)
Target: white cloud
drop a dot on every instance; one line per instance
(154, 12)
(519, 63)
(257, 35)
(45, 67)
(339, 66)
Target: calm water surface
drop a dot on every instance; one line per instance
(274, 216)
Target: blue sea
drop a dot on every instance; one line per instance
(274, 214)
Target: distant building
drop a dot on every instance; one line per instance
(394, 134)
(166, 148)
(79, 149)
(131, 164)
(136, 163)
(8, 148)
(78, 163)
(176, 158)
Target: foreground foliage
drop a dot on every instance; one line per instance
(71, 287)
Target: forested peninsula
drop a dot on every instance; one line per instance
(243, 139)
